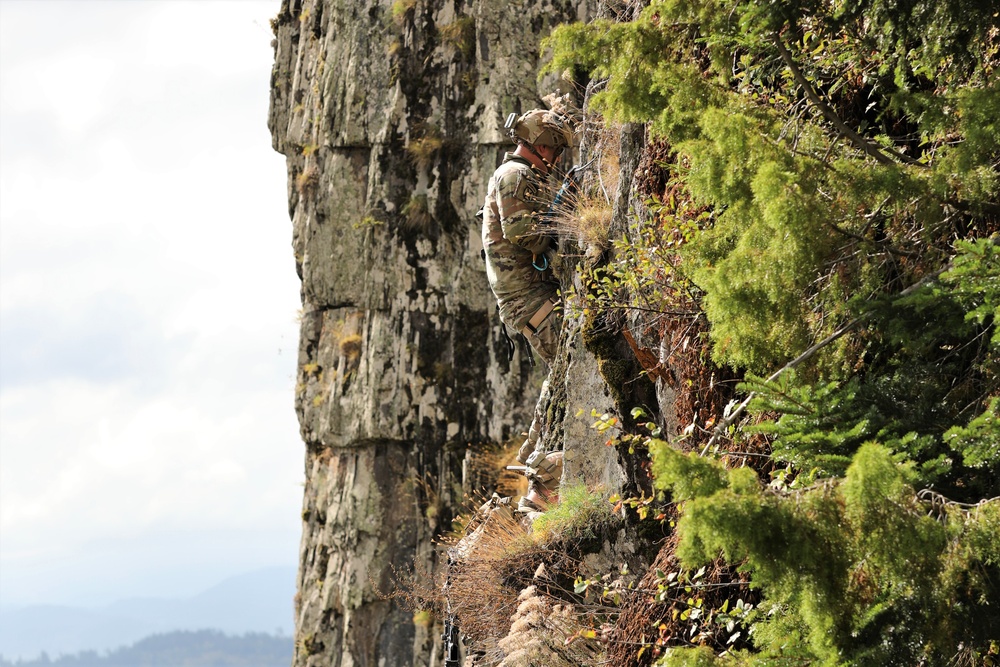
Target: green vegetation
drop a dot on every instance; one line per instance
(460, 35)
(835, 221)
(579, 514)
(856, 571)
(400, 9)
(827, 231)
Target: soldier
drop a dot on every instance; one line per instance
(516, 238)
(544, 473)
(518, 241)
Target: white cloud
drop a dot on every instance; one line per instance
(147, 301)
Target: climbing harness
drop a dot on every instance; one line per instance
(526, 349)
(536, 320)
(507, 338)
(511, 346)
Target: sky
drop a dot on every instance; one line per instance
(148, 302)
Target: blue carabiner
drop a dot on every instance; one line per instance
(545, 263)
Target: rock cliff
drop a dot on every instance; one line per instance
(390, 115)
(696, 253)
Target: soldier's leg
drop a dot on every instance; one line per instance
(545, 342)
(535, 430)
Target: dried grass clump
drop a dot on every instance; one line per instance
(546, 632)
(422, 150)
(593, 221)
(417, 216)
(485, 582)
(350, 347)
(482, 590)
(493, 559)
(307, 182)
(423, 618)
(587, 216)
(505, 556)
(486, 469)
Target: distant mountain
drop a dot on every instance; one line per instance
(202, 648)
(259, 602)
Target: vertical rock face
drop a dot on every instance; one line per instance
(390, 115)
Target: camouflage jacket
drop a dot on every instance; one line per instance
(514, 236)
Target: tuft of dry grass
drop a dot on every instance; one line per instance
(307, 182)
(417, 216)
(593, 219)
(459, 35)
(486, 469)
(422, 150)
(496, 559)
(423, 618)
(350, 347)
(510, 589)
(483, 585)
(587, 216)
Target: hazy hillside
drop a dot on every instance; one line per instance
(259, 601)
(203, 648)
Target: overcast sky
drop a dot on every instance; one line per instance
(148, 443)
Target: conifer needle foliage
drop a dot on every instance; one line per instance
(843, 162)
(854, 572)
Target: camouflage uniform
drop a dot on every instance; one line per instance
(516, 242)
(544, 471)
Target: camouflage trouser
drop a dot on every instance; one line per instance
(545, 341)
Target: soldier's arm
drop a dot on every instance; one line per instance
(520, 213)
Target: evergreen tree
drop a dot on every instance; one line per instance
(840, 170)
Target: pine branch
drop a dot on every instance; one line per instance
(885, 244)
(721, 427)
(727, 422)
(831, 115)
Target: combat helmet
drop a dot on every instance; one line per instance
(539, 127)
